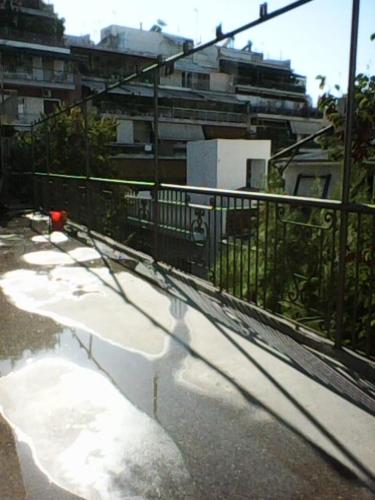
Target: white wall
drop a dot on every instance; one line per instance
(232, 160)
(202, 163)
(221, 163)
(142, 41)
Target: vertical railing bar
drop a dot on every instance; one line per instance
(257, 249)
(241, 248)
(215, 239)
(356, 289)
(187, 242)
(209, 240)
(33, 167)
(321, 248)
(87, 165)
(234, 252)
(249, 230)
(333, 273)
(265, 281)
(228, 239)
(273, 294)
(175, 233)
(221, 244)
(371, 291)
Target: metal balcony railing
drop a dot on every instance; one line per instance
(298, 86)
(178, 113)
(29, 37)
(250, 245)
(38, 75)
(305, 112)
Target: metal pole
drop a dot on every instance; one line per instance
(33, 165)
(89, 197)
(87, 142)
(156, 163)
(349, 120)
(48, 149)
(2, 147)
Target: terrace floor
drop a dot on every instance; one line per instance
(120, 381)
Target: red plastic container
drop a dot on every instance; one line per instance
(58, 220)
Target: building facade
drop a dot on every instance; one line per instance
(218, 93)
(37, 73)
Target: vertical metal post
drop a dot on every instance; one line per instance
(2, 142)
(48, 150)
(87, 142)
(344, 217)
(156, 163)
(89, 197)
(33, 165)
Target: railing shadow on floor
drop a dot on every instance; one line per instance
(245, 393)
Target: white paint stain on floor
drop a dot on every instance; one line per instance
(58, 258)
(122, 308)
(37, 217)
(86, 437)
(55, 237)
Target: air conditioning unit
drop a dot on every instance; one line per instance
(47, 93)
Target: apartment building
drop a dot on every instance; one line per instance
(36, 68)
(218, 93)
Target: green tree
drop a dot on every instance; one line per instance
(290, 258)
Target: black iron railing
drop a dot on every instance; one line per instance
(280, 253)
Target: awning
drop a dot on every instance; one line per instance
(36, 49)
(304, 127)
(180, 132)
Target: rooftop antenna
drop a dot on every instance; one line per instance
(161, 23)
(198, 39)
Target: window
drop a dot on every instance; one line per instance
(312, 186)
(248, 173)
(256, 171)
(187, 79)
(50, 106)
(199, 81)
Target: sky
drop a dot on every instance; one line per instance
(315, 37)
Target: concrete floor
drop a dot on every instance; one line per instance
(111, 388)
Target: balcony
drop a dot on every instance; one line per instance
(29, 37)
(38, 76)
(306, 112)
(178, 114)
(298, 85)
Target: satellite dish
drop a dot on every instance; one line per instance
(161, 23)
